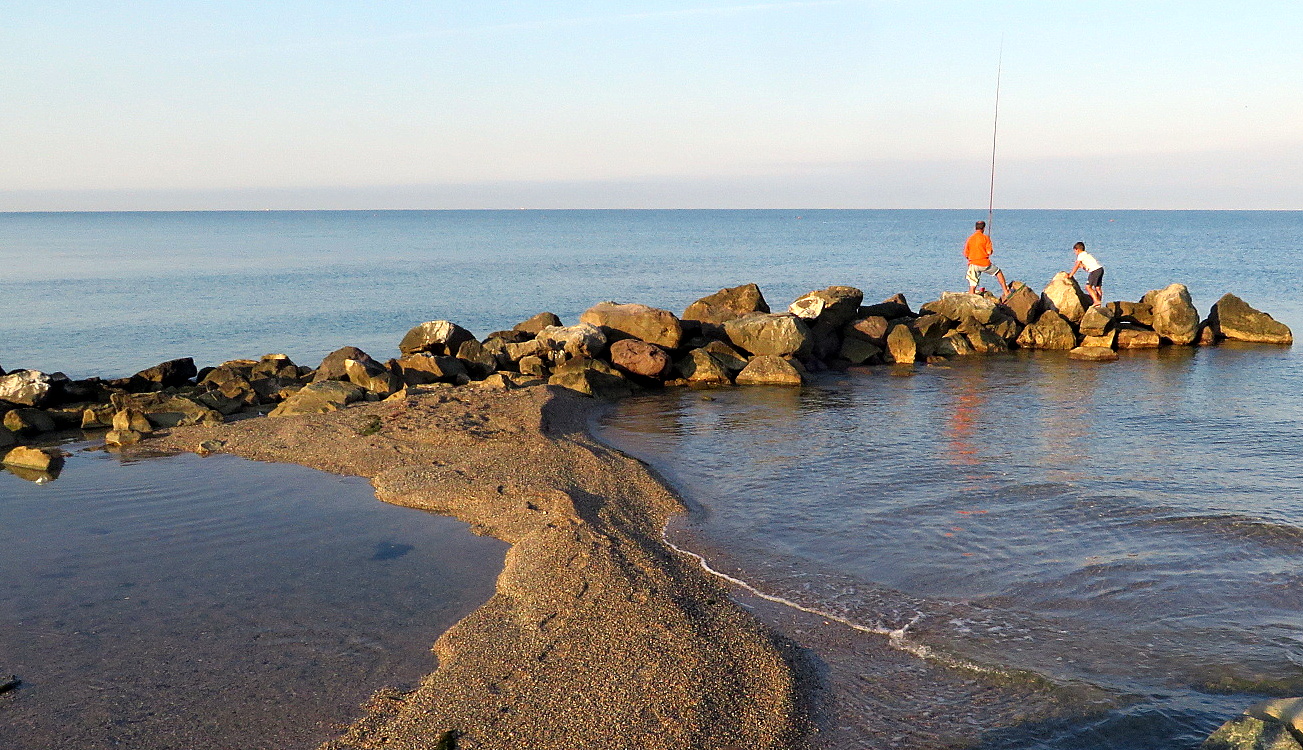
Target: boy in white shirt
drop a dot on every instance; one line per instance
(1095, 269)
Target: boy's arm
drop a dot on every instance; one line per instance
(1075, 268)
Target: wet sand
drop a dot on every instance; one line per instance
(598, 635)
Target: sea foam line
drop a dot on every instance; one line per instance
(896, 638)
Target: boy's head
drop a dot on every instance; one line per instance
(1080, 247)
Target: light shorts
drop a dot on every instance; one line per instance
(975, 273)
(1096, 277)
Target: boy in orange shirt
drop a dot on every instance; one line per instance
(978, 251)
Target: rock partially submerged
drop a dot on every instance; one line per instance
(1233, 318)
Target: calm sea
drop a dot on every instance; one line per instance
(1134, 527)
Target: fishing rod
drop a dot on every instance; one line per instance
(995, 131)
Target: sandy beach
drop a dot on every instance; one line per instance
(598, 635)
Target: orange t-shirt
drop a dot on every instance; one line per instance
(978, 249)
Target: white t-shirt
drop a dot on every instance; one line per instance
(1088, 261)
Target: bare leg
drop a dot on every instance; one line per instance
(1096, 293)
(999, 276)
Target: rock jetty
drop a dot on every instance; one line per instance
(731, 337)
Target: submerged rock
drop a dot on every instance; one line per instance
(1233, 318)
(768, 369)
(1094, 354)
(1275, 724)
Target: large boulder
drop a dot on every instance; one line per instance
(1274, 724)
(320, 398)
(858, 351)
(727, 304)
(956, 306)
(537, 323)
(34, 459)
(891, 308)
(1050, 331)
(650, 324)
(332, 367)
(1175, 317)
(373, 376)
(580, 340)
(28, 388)
(1064, 296)
(27, 422)
(780, 335)
(172, 373)
(1233, 318)
(902, 344)
(1022, 302)
(701, 367)
(592, 377)
(1097, 321)
(767, 369)
(636, 357)
(274, 366)
(435, 337)
(833, 307)
(870, 328)
(424, 369)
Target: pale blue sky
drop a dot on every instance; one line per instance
(836, 103)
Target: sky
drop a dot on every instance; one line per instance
(132, 105)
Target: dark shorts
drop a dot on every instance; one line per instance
(1096, 277)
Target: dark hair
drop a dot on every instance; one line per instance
(1079, 246)
(980, 225)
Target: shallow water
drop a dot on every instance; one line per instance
(184, 602)
(1135, 527)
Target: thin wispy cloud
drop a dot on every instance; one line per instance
(549, 24)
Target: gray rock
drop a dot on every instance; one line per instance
(650, 324)
(320, 398)
(727, 304)
(434, 337)
(1064, 296)
(1175, 317)
(1234, 319)
(27, 388)
(767, 369)
(1050, 331)
(779, 335)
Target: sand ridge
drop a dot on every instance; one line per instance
(598, 635)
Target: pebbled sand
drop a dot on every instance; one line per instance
(598, 636)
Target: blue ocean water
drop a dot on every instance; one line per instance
(112, 293)
(1135, 527)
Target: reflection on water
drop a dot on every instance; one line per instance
(184, 602)
(1133, 526)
